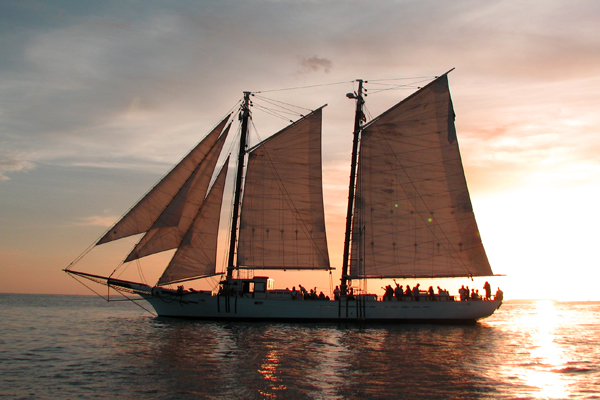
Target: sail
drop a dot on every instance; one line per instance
(141, 217)
(282, 222)
(196, 256)
(413, 215)
(172, 224)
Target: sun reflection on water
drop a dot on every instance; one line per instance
(547, 355)
(268, 370)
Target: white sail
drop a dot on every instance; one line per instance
(172, 224)
(141, 217)
(282, 222)
(196, 255)
(413, 215)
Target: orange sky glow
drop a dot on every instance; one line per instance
(98, 101)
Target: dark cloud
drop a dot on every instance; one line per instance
(315, 64)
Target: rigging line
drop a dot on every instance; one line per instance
(398, 79)
(303, 87)
(395, 88)
(133, 301)
(272, 112)
(92, 290)
(272, 101)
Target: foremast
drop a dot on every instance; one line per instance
(244, 117)
(358, 119)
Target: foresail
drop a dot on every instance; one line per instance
(282, 223)
(413, 215)
(141, 217)
(196, 256)
(168, 230)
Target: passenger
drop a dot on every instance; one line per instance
(294, 293)
(416, 292)
(336, 293)
(389, 293)
(431, 293)
(351, 294)
(304, 292)
(321, 296)
(499, 295)
(408, 292)
(467, 292)
(461, 292)
(440, 291)
(472, 294)
(399, 293)
(488, 290)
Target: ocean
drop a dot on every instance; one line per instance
(80, 347)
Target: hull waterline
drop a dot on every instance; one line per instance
(362, 310)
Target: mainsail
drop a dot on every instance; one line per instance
(412, 213)
(141, 217)
(196, 256)
(282, 222)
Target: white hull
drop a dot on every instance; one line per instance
(206, 306)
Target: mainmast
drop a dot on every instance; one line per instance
(358, 118)
(244, 116)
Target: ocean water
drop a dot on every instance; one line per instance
(80, 347)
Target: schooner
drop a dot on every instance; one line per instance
(409, 215)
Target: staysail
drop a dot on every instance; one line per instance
(413, 215)
(196, 256)
(141, 217)
(282, 222)
(168, 230)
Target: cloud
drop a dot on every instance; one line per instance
(315, 64)
(12, 164)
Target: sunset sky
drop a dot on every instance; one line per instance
(98, 100)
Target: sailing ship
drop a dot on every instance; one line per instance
(409, 216)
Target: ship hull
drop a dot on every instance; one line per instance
(365, 310)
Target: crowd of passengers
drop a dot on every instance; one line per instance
(400, 294)
(416, 293)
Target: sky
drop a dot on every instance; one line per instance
(98, 100)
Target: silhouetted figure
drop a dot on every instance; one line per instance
(488, 290)
(336, 293)
(416, 292)
(389, 293)
(431, 293)
(499, 295)
(399, 293)
(463, 293)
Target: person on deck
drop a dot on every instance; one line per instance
(294, 293)
(408, 292)
(336, 293)
(488, 290)
(499, 295)
(416, 292)
(399, 293)
(431, 293)
(389, 293)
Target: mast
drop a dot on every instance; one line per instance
(358, 117)
(244, 116)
